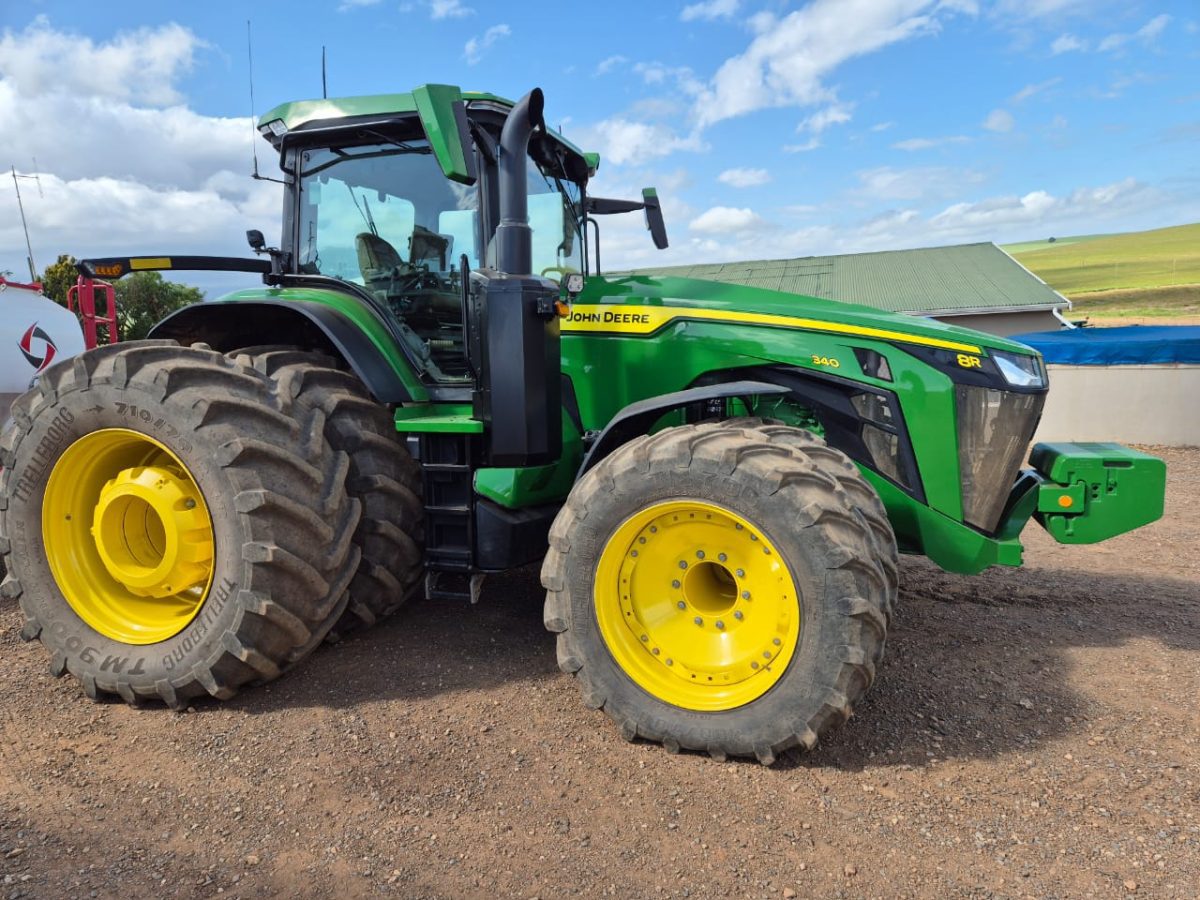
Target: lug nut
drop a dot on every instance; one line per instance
(675, 584)
(699, 554)
(754, 665)
(745, 595)
(766, 654)
(681, 605)
(654, 529)
(720, 624)
(670, 662)
(655, 651)
(738, 615)
(722, 557)
(698, 620)
(777, 642)
(645, 639)
(741, 573)
(634, 553)
(683, 564)
(641, 540)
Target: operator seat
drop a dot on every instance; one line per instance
(376, 257)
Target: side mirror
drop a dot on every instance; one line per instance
(654, 218)
(255, 239)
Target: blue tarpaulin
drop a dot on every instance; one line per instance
(1128, 345)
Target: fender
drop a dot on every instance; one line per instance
(249, 323)
(636, 418)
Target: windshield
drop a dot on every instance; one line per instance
(383, 216)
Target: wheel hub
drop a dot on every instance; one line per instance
(128, 536)
(696, 605)
(150, 532)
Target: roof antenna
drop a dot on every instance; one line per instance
(24, 225)
(324, 88)
(253, 118)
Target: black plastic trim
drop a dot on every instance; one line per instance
(637, 418)
(229, 325)
(507, 538)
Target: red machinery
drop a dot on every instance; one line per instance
(84, 293)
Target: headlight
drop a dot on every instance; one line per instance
(994, 431)
(1020, 370)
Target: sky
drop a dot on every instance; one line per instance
(771, 129)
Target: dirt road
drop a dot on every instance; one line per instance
(1033, 732)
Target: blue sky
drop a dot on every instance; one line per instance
(770, 128)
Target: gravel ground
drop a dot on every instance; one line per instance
(1033, 733)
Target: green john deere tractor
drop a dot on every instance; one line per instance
(436, 381)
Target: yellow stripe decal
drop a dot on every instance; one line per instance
(150, 262)
(617, 319)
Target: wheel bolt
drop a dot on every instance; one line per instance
(634, 553)
(681, 605)
(754, 665)
(683, 564)
(654, 529)
(754, 537)
(189, 503)
(655, 651)
(722, 557)
(699, 554)
(698, 620)
(645, 638)
(741, 573)
(738, 615)
(745, 595)
(766, 654)
(641, 540)
(675, 584)
(777, 642)
(670, 662)
(720, 624)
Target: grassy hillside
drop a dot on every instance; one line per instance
(1139, 260)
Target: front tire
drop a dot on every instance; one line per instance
(213, 529)
(715, 588)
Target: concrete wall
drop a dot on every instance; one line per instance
(1157, 404)
(1006, 323)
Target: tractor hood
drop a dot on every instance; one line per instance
(665, 298)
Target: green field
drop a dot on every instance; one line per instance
(1141, 259)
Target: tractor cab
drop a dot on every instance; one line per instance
(372, 207)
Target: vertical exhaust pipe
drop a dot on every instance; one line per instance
(514, 237)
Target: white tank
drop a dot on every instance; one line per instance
(35, 332)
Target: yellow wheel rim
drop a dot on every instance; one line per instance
(128, 536)
(696, 605)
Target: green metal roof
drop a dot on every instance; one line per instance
(936, 280)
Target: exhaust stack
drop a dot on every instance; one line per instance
(514, 243)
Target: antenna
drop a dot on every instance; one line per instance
(253, 118)
(24, 224)
(324, 88)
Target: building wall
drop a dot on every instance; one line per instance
(1006, 324)
(1155, 404)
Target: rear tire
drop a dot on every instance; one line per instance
(791, 496)
(383, 477)
(282, 553)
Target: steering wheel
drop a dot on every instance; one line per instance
(561, 270)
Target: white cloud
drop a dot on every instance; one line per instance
(709, 10)
(474, 49)
(724, 220)
(883, 126)
(999, 121)
(609, 63)
(744, 178)
(1067, 43)
(787, 62)
(923, 183)
(1031, 89)
(347, 5)
(449, 9)
(813, 143)
(1040, 9)
(835, 114)
(655, 73)
(1147, 34)
(138, 171)
(621, 140)
(913, 144)
(138, 66)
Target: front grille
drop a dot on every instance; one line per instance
(994, 431)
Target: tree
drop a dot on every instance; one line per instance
(145, 298)
(58, 278)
